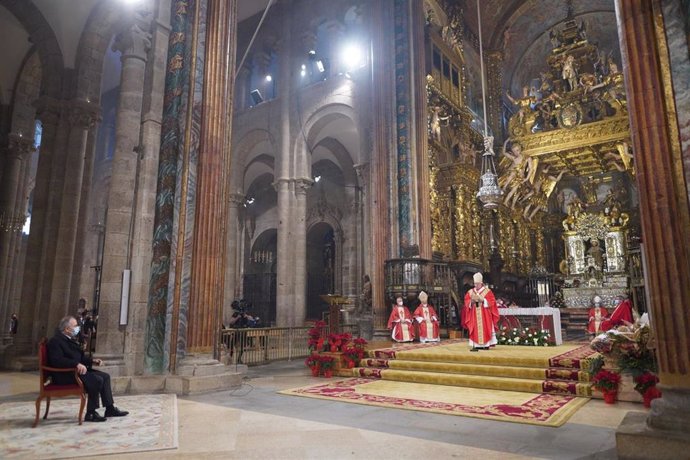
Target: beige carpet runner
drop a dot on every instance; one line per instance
(506, 406)
(552, 370)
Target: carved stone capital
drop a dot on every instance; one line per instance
(133, 42)
(84, 114)
(19, 146)
(302, 186)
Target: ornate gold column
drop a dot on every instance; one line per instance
(665, 220)
(208, 256)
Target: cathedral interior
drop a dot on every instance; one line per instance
(162, 159)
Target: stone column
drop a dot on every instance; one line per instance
(285, 296)
(134, 44)
(18, 151)
(284, 289)
(299, 243)
(82, 116)
(208, 256)
(233, 239)
(142, 229)
(33, 306)
(665, 218)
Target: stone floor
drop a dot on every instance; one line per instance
(256, 422)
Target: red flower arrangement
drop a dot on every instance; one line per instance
(315, 336)
(337, 342)
(605, 380)
(645, 384)
(326, 363)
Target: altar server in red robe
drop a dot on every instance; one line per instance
(481, 315)
(400, 322)
(597, 315)
(427, 320)
(621, 315)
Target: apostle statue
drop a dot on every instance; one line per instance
(480, 317)
(427, 319)
(597, 314)
(400, 322)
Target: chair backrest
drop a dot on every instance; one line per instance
(42, 359)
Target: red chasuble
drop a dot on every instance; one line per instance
(428, 323)
(480, 316)
(623, 312)
(596, 318)
(400, 323)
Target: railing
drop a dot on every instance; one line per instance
(253, 346)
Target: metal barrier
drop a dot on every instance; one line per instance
(253, 346)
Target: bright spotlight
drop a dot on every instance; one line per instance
(269, 78)
(317, 178)
(303, 73)
(352, 57)
(320, 66)
(304, 67)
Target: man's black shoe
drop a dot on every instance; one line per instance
(474, 349)
(115, 412)
(94, 417)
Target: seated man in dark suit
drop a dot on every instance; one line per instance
(64, 351)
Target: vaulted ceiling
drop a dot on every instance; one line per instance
(521, 29)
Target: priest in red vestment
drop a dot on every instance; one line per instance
(427, 320)
(400, 322)
(597, 315)
(621, 315)
(481, 315)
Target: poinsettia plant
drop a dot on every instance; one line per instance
(644, 382)
(312, 361)
(606, 380)
(316, 336)
(336, 342)
(326, 361)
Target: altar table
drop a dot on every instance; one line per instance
(555, 313)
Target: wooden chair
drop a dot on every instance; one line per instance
(58, 391)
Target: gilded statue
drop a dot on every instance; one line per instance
(569, 72)
(524, 104)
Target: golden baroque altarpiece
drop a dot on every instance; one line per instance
(568, 146)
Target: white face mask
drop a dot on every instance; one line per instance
(400, 302)
(75, 331)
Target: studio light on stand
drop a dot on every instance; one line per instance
(490, 194)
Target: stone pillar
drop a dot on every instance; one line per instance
(33, 306)
(284, 271)
(665, 218)
(134, 44)
(82, 116)
(208, 256)
(18, 153)
(233, 239)
(142, 245)
(285, 295)
(299, 242)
